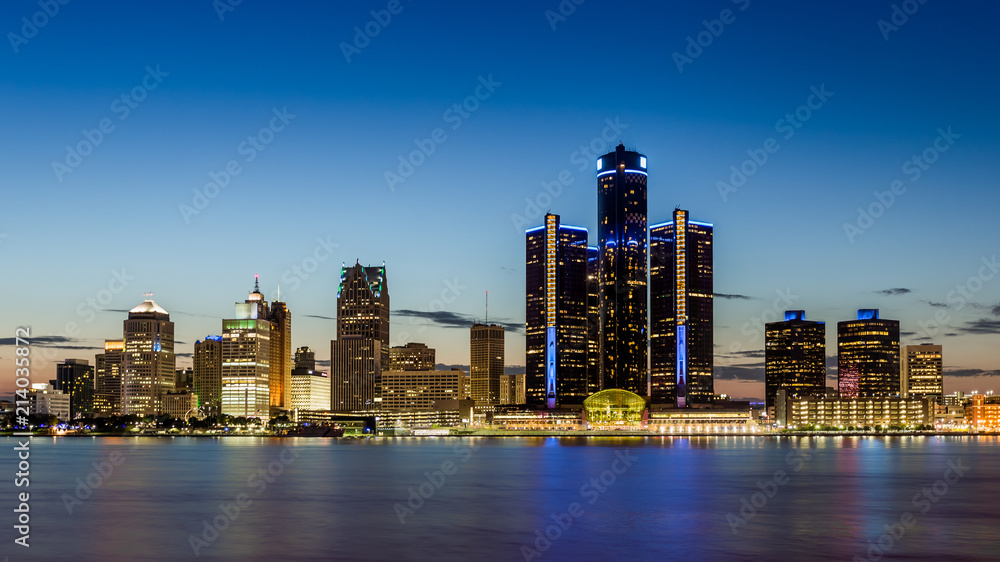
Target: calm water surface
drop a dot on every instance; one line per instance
(830, 498)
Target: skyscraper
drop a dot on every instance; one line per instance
(594, 362)
(794, 357)
(361, 349)
(921, 371)
(486, 358)
(75, 377)
(208, 374)
(868, 349)
(621, 217)
(108, 379)
(305, 359)
(355, 373)
(556, 334)
(148, 361)
(281, 355)
(681, 311)
(246, 359)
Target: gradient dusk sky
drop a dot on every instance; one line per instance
(865, 98)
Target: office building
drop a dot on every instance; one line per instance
(75, 377)
(43, 400)
(556, 313)
(207, 376)
(622, 243)
(594, 361)
(148, 361)
(355, 373)
(280, 371)
(310, 390)
(246, 359)
(859, 413)
(681, 311)
(305, 359)
(868, 356)
(794, 357)
(921, 371)
(411, 357)
(420, 390)
(108, 379)
(486, 356)
(512, 389)
(184, 379)
(180, 404)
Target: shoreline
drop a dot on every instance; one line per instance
(565, 434)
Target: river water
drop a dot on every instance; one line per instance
(569, 498)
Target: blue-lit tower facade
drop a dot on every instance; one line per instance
(556, 314)
(681, 311)
(622, 283)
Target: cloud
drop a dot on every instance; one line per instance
(48, 341)
(981, 326)
(937, 304)
(733, 296)
(750, 373)
(995, 311)
(447, 319)
(320, 317)
(183, 354)
(894, 291)
(754, 353)
(507, 370)
(905, 333)
(322, 362)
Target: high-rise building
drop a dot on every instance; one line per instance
(310, 390)
(207, 376)
(411, 357)
(512, 389)
(622, 243)
(184, 379)
(75, 377)
(594, 362)
(148, 361)
(681, 311)
(921, 371)
(420, 389)
(868, 349)
(281, 355)
(305, 359)
(246, 359)
(361, 349)
(486, 358)
(794, 357)
(355, 374)
(108, 379)
(556, 313)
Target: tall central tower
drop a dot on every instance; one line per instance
(362, 345)
(622, 245)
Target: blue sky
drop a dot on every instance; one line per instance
(453, 228)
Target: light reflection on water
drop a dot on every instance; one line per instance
(486, 498)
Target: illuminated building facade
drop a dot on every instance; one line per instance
(512, 389)
(420, 390)
(310, 390)
(75, 377)
(556, 336)
(280, 371)
(622, 244)
(486, 358)
(246, 359)
(148, 360)
(411, 357)
(108, 379)
(361, 350)
(858, 413)
(921, 371)
(208, 373)
(594, 361)
(794, 357)
(681, 311)
(868, 348)
(983, 413)
(355, 374)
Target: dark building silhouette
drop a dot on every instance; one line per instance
(681, 311)
(75, 377)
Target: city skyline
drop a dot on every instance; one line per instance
(882, 133)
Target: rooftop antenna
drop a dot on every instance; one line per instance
(256, 282)
(487, 307)
(148, 296)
